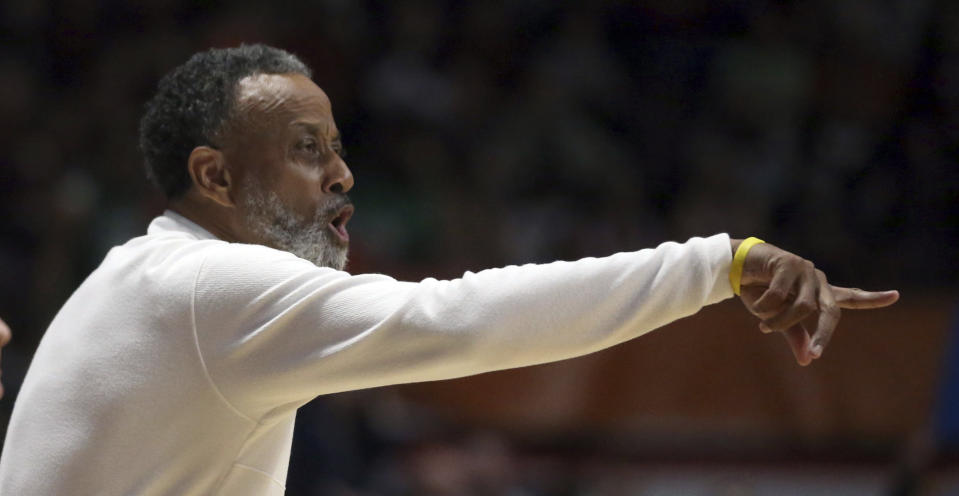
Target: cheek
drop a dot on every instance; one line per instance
(301, 189)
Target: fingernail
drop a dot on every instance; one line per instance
(816, 350)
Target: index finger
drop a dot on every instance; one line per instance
(827, 318)
(858, 299)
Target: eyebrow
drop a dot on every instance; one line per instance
(317, 130)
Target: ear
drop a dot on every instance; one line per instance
(210, 176)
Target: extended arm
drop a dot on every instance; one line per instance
(275, 330)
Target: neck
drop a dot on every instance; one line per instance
(208, 217)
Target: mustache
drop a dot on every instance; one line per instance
(333, 206)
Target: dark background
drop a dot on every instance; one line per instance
(483, 134)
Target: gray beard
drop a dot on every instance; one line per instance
(310, 239)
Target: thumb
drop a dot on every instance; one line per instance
(858, 299)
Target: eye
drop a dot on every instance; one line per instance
(309, 144)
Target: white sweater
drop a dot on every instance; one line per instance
(178, 365)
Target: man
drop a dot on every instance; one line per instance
(178, 365)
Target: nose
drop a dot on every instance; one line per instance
(338, 179)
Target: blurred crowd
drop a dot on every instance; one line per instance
(489, 133)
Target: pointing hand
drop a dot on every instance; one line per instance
(791, 296)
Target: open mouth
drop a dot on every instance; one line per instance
(338, 224)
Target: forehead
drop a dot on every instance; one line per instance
(283, 98)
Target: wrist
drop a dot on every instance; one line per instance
(740, 249)
(733, 246)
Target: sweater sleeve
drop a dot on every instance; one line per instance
(275, 331)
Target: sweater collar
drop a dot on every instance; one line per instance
(172, 222)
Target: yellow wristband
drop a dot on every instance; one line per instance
(736, 270)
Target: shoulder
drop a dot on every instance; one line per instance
(182, 260)
(245, 269)
(255, 260)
